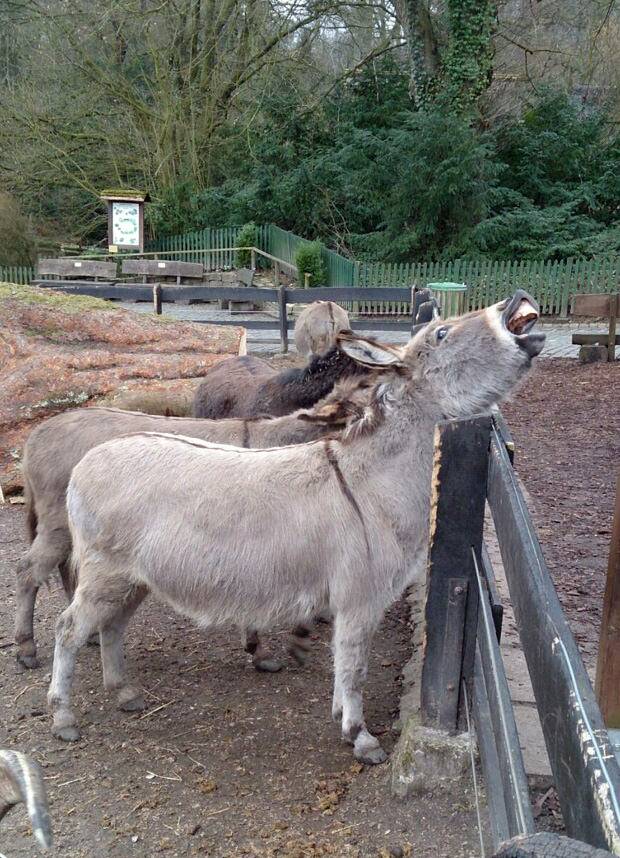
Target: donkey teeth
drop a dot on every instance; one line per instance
(520, 319)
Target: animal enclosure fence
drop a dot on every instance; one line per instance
(550, 282)
(463, 669)
(20, 274)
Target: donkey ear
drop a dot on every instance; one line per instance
(368, 352)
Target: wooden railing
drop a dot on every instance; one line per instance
(463, 670)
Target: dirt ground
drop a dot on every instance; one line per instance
(227, 762)
(566, 424)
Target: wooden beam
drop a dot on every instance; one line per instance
(608, 665)
(601, 339)
(586, 773)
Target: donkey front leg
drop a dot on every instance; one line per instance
(352, 640)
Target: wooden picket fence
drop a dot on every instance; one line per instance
(197, 246)
(550, 282)
(21, 274)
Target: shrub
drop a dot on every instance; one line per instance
(17, 246)
(246, 237)
(309, 260)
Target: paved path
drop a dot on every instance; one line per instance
(558, 333)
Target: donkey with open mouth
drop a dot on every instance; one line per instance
(261, 537)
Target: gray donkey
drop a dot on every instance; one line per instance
(57, 445)
(339, 523)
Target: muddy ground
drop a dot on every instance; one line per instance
(228, 762)
(225, 761)
(566, 424)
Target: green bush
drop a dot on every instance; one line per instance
(309, 260)
(246, 237)
(17, 246)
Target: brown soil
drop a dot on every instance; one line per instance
(566, 424)
(225, 762)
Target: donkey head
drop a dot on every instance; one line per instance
(463, 365)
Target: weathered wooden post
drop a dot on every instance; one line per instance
(282, 318)
(307, 277)
(608, 664)
(253, 259)
(157, 298)
(457, 515)
(614, 309)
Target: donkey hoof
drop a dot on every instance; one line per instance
(69, 733)
(30, 662)
(267, 665)
(299, 654)
(93, 640)
(370, 756)
(134, 704)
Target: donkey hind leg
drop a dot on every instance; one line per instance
(48, 552)
(112, 655)
(262, 659)
(352, 640)
(69, 582)
(86, 613)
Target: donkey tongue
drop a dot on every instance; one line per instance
(522, 319)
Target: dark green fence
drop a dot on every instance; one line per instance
(212, 247)
(16, 274)
(488, 281)
(552, 283)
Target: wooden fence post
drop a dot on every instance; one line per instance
(282, 318)
(608, 664)
(614, 306)
(253, 259)
(157, 298)
(459, 484)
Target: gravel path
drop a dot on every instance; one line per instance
(558, 333)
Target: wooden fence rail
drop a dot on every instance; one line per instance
(585, 770)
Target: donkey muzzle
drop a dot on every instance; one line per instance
(519, 315)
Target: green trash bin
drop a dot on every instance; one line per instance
(451, 297)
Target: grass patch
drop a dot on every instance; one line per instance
(53, 300)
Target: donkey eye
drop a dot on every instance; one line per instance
(441, 333)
